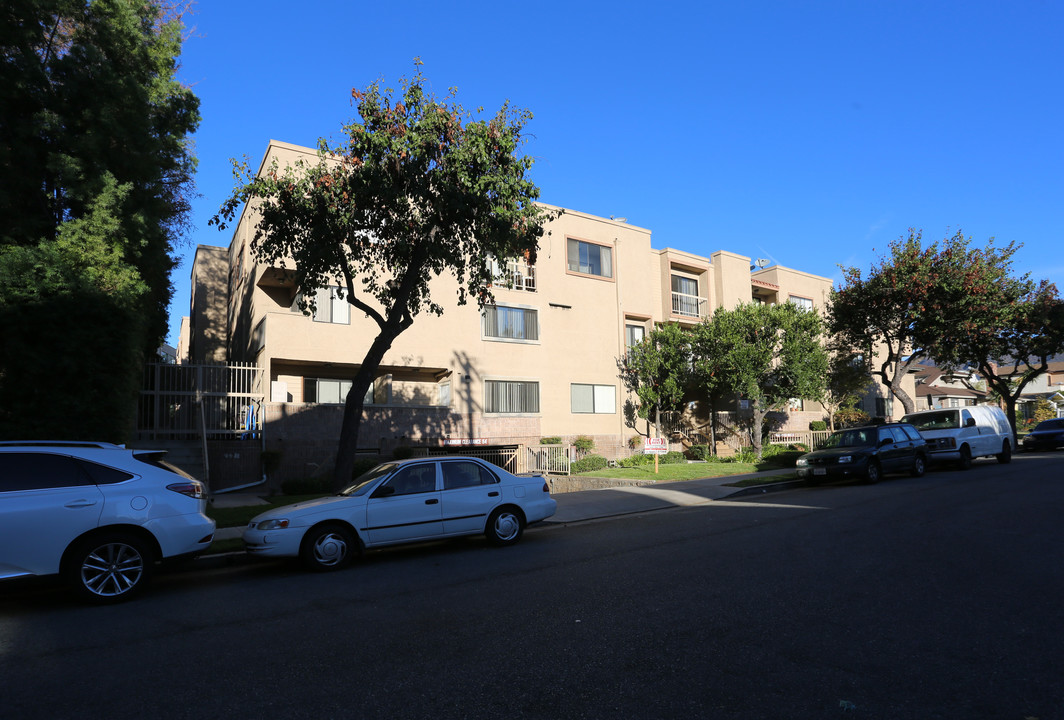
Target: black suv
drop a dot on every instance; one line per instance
(867, 452)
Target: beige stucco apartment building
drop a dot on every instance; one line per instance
(541, 362)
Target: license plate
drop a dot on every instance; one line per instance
(820, 471)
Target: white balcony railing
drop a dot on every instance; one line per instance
(688, 305)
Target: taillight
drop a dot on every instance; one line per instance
(546, 489)
(190, 487)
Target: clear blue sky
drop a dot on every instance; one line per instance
(810, 133)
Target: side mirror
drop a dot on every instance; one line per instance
(885, 441)
(383, 491)
(970, 422)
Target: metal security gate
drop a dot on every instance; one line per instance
(214, 411)
(505, 456)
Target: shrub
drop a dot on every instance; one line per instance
(587, 464)
(787, 458)
(700, 452)
(584, 444)
(553, 440)
(636, 461)
(635, 441)
(818, 425)
(673, 457)
(800, 447)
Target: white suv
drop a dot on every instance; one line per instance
(98, 514)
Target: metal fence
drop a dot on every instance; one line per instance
(812, 439)
(551, 459)
(505, 457)
(186, 402)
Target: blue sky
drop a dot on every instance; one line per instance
(808, 133)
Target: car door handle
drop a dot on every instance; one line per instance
(80, 503)
(493, 493)
(433, 501)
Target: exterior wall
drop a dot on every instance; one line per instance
(207, 330)
(432, 383)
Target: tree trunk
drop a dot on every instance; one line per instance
(353, 406)
(755, 431)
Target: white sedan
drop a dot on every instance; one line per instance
(400, 502)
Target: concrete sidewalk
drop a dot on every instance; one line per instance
(586, 505)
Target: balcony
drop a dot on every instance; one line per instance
(514, 275)
(688, 306)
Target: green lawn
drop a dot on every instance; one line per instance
(239, 516)
(694, 471)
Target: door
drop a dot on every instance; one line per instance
(470, 493)
(46, 501)
(891, 452)
(406, 506)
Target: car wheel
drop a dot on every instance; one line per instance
(328, 547)
(872, 472)
(919, 466)
(1005, 456)
(965, 461)
(505, 526)
(109, 568)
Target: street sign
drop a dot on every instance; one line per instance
(656, 446)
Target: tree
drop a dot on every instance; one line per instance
(418, 188)
(878, 316)
(767, 354)
(657, 370)
(847, 378)
(96, 168)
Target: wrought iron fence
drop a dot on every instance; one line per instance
(184, 402)
(551, 459)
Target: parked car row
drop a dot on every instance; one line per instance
(948, 435)
(102, 515)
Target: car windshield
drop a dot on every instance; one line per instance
(1057, 424)
(851, 438)
(944, 420)
(361, 484)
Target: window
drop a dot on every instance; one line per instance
(796, 405)
(598, 399)
(465, 474)
(885, 407)
(329, 307)
(445, 394)
(633, 335)
(685, 300)
(511, 396)
(590, 259)
(39, 471)
(803, 303)
(330, 391)
(411, 480)
(510, 323)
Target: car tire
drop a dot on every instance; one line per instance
(873, 472)
(109, 568)
(965, 461)
(505, 526)
(919, 466)
(1005, 456)
(328, 547)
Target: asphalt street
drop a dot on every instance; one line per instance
(933, 597)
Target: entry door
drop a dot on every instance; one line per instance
(406, 506)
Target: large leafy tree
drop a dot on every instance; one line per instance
(846, 380)
(657, 371)
(877, 316)
(767, 354)
(95, 179)
(1008, 327)
(417, 188)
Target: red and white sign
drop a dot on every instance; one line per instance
(655, 446)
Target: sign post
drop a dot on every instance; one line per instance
(655, 447)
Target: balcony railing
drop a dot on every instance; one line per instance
(688, 305)
(515, 274)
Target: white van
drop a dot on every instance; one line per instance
(961, 434)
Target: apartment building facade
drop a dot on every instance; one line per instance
(541, 361)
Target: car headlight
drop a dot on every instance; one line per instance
(845, 459)
(802, 462)
(273, 524)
